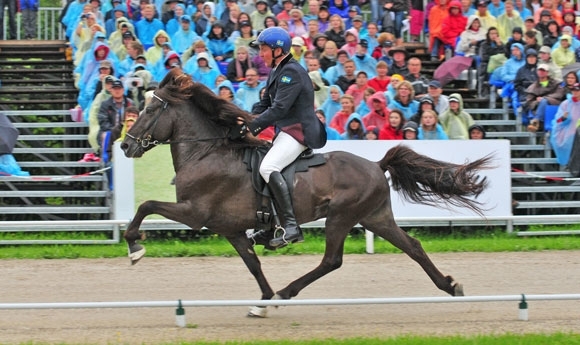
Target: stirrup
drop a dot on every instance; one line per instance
(283, 241)
(262, 237)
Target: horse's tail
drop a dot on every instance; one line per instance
(428, 181)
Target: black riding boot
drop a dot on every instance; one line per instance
(292, 232)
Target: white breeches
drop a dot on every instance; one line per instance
(285, 149)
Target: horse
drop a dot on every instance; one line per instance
(214, 188)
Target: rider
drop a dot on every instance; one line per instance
(288, 104)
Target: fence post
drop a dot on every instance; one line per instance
(123, 185)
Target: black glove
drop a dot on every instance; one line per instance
(238, 132)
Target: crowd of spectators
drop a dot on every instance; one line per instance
(366, 83)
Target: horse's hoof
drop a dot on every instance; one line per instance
(257, 312)
(458, 290)
(136, 252)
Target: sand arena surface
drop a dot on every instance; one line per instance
(211, 278)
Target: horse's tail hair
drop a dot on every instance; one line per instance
(428, 181)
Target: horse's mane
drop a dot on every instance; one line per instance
(179, 87)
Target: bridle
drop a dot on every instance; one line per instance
(148, 140)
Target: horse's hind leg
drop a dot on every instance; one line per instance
(244, 248)
(383, 224)
(336, 232)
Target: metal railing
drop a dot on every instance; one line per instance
(48, 26)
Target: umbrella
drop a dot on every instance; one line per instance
(452, 68)
(573, 67)
(8, 135)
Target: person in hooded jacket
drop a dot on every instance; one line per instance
(404, 99)
(354, 128)
(508, 71)
(476, 132)
(248, 92)
(332, 105)
(526, 76)
(260, 14)
(331, 133)
(471, 38)
(120, 11)
(456, 121)
(393, 128)
(454, 24)
(320, 90)
(204, 74)
(155, 53)
(87, 72)
(182, 39)
(218, 44)
(340, 118)
(379, 113)
(174, 24)
(339, 7)
(207, 18)
(170, 60)
(429, 128)
(509, 20)
(425, 103)
(565, 126)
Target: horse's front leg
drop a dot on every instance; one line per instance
(246, 251)
(179, 212)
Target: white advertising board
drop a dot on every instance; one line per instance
(496, 199)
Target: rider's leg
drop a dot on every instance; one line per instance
(285, 149)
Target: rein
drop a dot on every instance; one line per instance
(148, 140)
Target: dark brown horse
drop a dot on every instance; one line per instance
(214, 188)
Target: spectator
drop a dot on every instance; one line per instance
(189, 57)
(331, 133)
(508, 71)
(417, 19)
(87, 72)
(496, 8)
(363, 107)
(419, 81)
(372, 133)
(354, 128)
(328, 57)
(182, 39)
(237, 68)
(491, 46)
(381, 80)
(363, 61)
(517, 37)
(353, 12)
(485, 18)
(569, 19)
(545, 57)
(476, 132)
(349, 77)
(351, 39)
(173, 23)
(570, 79)
(357, 89)
(323, 19)
(425, 103)
(204, 74)
(400, 56)
(429, 128)
(531, 26)
(248, 92)
(553, 34)
(574, 43)
(338, 7)
(332, 104)
(231, 23)
(297, 48)
(564, 127)
(111, 113)
(545, 91)
(436, 17)
(319, 41)
(271, 21)
(313, 32)
(227, 92)
(379, 114)
(148, 26)
(410, 130)
(563, 56)
(542, 24)
(134, 49)
(467, 8)
(531, 41)
(218, 44)
(287, 6)
(296, 23)
(137, 85)
(69, 19)
(526, 76)
(320, 90)
(155, 53)
(396, 79)
(340, 119)
(399, 10)
(509, 20)
(371, 35)
(456, 121)
(471, 38)
(29, 9)
(548, 6)
(440, 101)
(524, 12)
(120, 39)
(453, 25)
(381, 51)
(334, 72)
(170, 60)
(393, 128)
(205, 19)
(336, 31)
(404, 100)
(92, 118)
(313, 10)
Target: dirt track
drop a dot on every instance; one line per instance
(226, 278)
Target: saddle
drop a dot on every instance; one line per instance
(253, 157)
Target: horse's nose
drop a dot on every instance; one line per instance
(124, 146)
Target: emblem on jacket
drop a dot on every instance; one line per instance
(286, 79)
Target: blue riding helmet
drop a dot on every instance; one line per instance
(274, 37)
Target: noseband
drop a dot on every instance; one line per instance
(147, 139)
